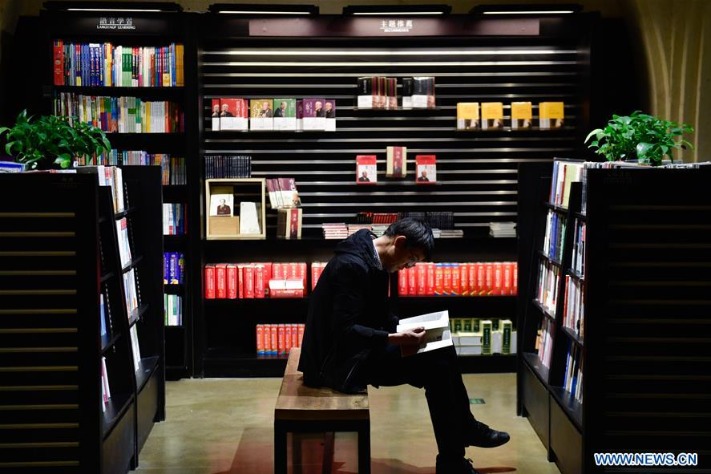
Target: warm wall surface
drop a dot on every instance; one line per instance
(676, 40)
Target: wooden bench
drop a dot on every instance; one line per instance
(302, 409)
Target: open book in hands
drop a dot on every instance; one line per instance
(437, 333)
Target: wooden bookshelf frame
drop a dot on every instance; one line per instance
(249, 187)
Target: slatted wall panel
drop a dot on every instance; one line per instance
(42, 252)
(476, 170)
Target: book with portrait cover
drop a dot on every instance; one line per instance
(492, 115)
(366, 169)
(467, 115)
(284, 114)
(426, 169)
(261, 114)
(521, 115)
(215, 114)
(221, 204)
(396, 162)
(329, 107)
(233, 113)
(551, 114)
(314, 114)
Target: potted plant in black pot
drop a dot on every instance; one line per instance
(639, 137)
(51, 141)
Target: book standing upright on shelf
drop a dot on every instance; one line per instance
(249, 218)
(221, 204)
(521, 115)
(215, 114)
(314, 114)
(233, 114)
(365, 93)
(467, 115)
(426, 169)
(261, 116)
(423, 92)
(284, 114)
(396, 158)
(492, 115)
(551, 115)
(366, 169)
(329, 108)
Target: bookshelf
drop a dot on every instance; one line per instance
(76, 327)
(626, 372)
(129, 74)
(477, 170)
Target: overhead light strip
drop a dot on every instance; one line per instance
(487, 52)
(263, 12)
(529, 12)
(402, 13)
(122, 10)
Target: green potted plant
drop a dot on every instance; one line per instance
(51, 141)
(641, 137)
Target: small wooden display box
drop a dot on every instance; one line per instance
(235, 208)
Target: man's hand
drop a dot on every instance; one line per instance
(409, 341)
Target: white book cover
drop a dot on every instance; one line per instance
(436, 325)
(130, 292)
(135, 347)
(123, 243)
(249, 219)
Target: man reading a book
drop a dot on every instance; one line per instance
(350, 340)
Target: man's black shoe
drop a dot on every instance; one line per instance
(455, 466)
(484, 437)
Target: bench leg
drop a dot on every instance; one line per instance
(279, 449)
(364, 449)
(329, 439)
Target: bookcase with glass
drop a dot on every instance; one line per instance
(125, 72)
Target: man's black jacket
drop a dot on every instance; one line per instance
(348, 317)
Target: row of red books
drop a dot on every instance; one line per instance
(259, 279)
(278, 339)
(459, 279)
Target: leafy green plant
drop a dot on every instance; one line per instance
(640, 137)
(48, 140)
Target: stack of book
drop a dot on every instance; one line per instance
(502, 229)
(447, 233)
(335, 230)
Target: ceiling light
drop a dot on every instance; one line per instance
(396, 10)
(526, 9)
(118, 7)
(256, 10)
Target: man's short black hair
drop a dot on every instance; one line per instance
(417, 232)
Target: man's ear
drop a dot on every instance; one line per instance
(400, 241)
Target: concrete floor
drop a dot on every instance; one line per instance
(224, 426)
